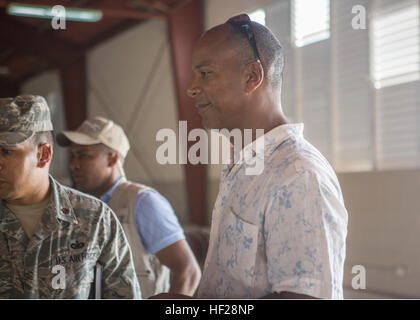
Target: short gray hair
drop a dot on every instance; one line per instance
(269, 48)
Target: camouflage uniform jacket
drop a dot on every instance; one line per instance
(75, 233)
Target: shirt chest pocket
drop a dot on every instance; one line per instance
(236, 248)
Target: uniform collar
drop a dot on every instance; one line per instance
(9, 224)
(59, 208)
(60, 202)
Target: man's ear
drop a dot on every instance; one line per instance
(112, 158)
(254, 76)
(44, 154)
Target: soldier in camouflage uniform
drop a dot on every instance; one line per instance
(74, 233)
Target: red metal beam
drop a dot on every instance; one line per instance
(154, 5)
(27, 40)
(74, 84)
(185, 26)
(130, 14)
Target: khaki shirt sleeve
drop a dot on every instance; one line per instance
(119, 280)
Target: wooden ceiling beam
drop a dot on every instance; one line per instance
(130, 14)
(6, 53)
(44, 47)
(158, 6)
(74, 90)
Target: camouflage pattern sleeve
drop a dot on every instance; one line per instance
(119, 280)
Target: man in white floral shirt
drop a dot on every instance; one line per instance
(280, 233)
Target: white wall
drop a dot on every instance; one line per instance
(383, 231)
(48, 85)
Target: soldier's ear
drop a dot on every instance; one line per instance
(44, 154)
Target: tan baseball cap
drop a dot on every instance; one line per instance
(94, 131)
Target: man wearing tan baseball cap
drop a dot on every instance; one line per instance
(163, 259)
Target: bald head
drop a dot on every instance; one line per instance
(269, 48)
(220, 41)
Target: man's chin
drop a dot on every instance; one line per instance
(208, 125)
(205, 125)
(79, 186)
(6, 196)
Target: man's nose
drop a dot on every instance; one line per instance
(74, 164)
(193, 90)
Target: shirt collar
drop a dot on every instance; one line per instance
(60, 202)
(107, 195)
(268, 141)
(264, 145)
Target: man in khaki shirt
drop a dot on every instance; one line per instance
(52, 237)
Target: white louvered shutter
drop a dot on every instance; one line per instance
(310, 23)
(352, 98)
(395, 72)
(395, 39)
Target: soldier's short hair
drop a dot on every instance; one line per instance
(108, 149)
(42, 137)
